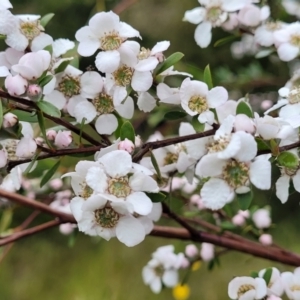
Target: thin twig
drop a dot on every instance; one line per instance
(123, 5)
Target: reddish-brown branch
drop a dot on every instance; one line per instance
(123, 5)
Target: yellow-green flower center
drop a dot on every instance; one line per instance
(295, 287)
(69, 86)
(213, 14)
(123, 75)
(272, 26)
(218, 145)
(104, 104)
(198, 104)
(295, 40)
(244, 288)
(170, 158)
(119, 187)
(144, 53)
(86, 191)
(111, 41)
(106, 217)
(294, 95)
(236, 174)
(31, 29)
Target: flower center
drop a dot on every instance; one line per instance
(289, 171)
(106, 217)
(295, 287)
(294, 95)
(104, 104)
(170, 158)
(119, 187)
(218, 145)
(215, 15)
(69, 86)
(236, 174)
(244, 288)
(31, 29)
(295, 40)
(10, 146)
(198, 104)
(272, 26)
(111, 41)
(123, 76)
(86, 191)
(159, 271)
(144, 53)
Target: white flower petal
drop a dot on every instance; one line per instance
(146, 102)
(141, 203)
(203, 34)
(141, 81)
(107, 61)
(106, 124)
(97, 179)
(260, 174)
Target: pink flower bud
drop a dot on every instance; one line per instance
(39, 141)
(26, 147)
(66, 228)
(34, 92)
(3, 158)
(184, 263)
(244, 213)
(191, 251)
(15, 85)
(266, 239)
(266, 104)
(244, 123)
(51, 134)
(261, 218)
(56, 183)
(63, 139)
(126, 145)
(207, 251)
(9, 120)
(238, 220)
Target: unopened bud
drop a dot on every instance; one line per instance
(26, 147)
(56, 183)
(191, 250)
(51, 134)
(126, 145)
(207, 251)
(34, 92)
(66, 228)
(238, 220)
(9, 120)
(266, 239)
(63, 139)
(16, 85)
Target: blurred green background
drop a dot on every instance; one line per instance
(46, 267)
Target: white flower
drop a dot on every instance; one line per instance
(287, 40)
(207, 251)
(275, 285)
(291, 283)
(106, 32)
(28, 32)
(249, 288)
(96, 216)
(265, 34)
(213, 14)
(261, 218)
(162, 268)
(251, 15)
(196, 99)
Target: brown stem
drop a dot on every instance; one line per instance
(123, 5)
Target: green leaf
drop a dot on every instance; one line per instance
(261, 144)
(267, 275)
(2, 37)
(254, 274)
(169, 62)
(33, 160)
(127, 131)
(62, 66)
(49, 174)
(244, 108)
(46, 79)
(6, 219)
(288, 159)
(207, 77)
(49, 48)
(199, 127)
(175, 115)
(1, 113)
(226, 40)
(26, 116)
(156, 197)
(41, 121)
(227, 225)
(155, 165)
(45, 19)
(49, 109)
(264, 53)
(245, 200)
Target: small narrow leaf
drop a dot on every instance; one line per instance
(227, 225)
(49, 174)
(62, 66)
(25, 116)
(1, 113)
(245, 200)
(156, 197)
(274, 146)
(155, 165)
(30, 166)
(41, 121)
(175, 115)
(43, 81)
(288, 159)
(49, 108)
(169, 62)
(207, 77)
(264, 53)
(6, 219)
(226, 40)
(127, 131)
(267, 275)
(46, 19)
(244, 108)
